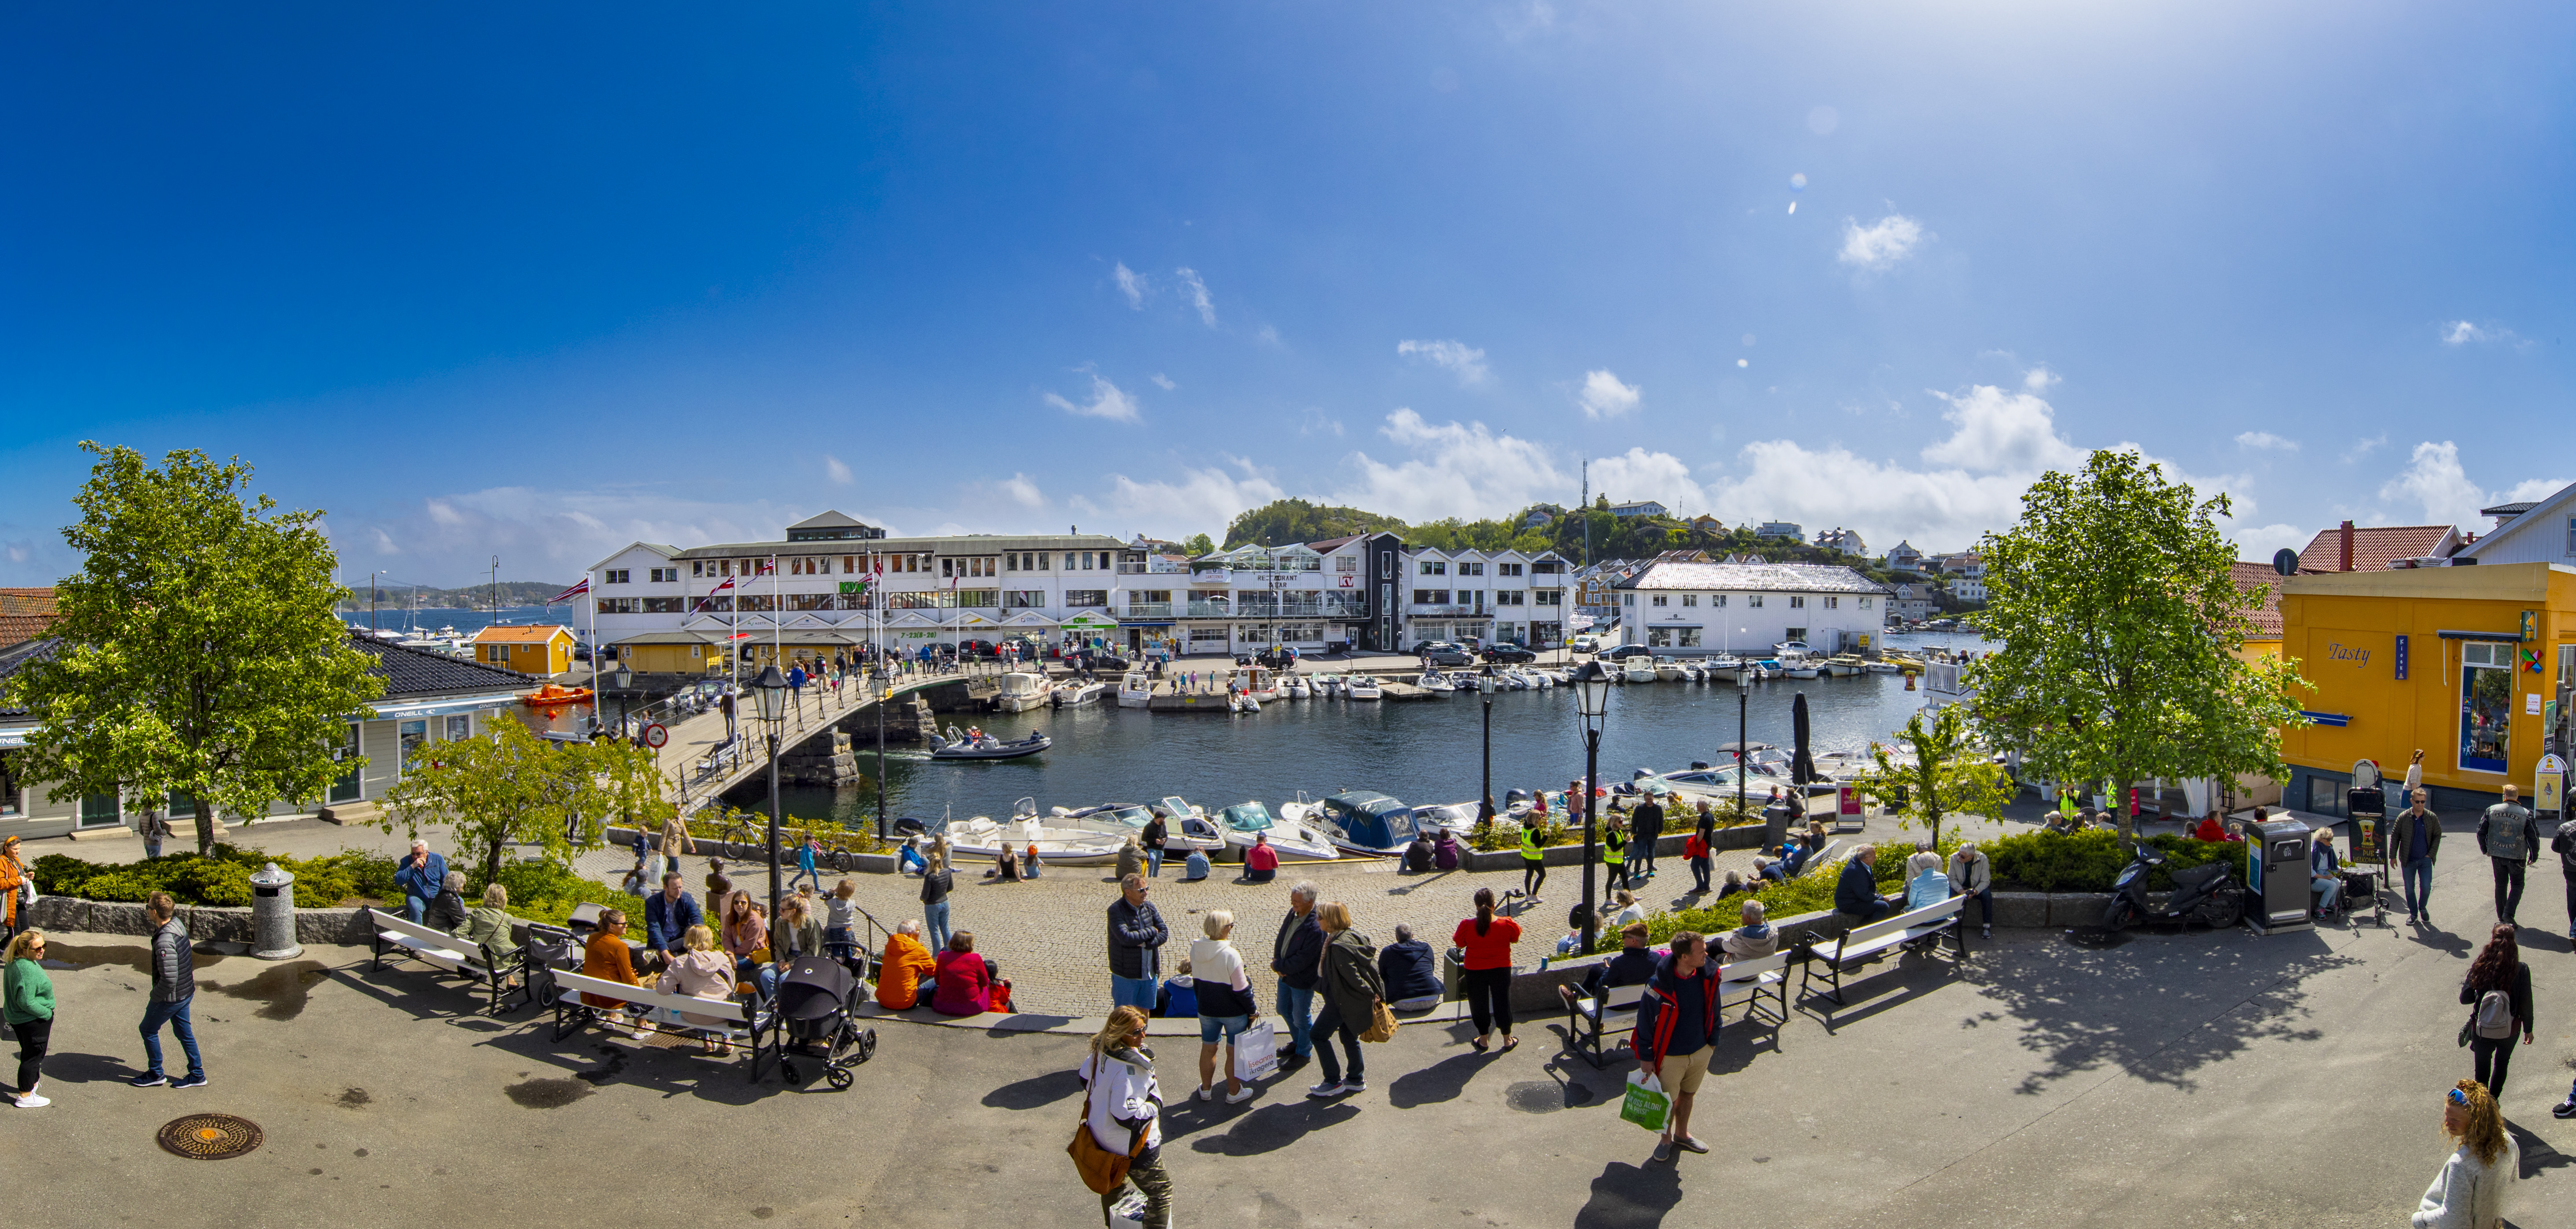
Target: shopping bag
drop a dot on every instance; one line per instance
(1129, 1211)
(1256, 1052)
(1646, 1105)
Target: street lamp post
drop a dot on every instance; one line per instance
(1485, 686)
(885, 693)
(621, 678)
(1743, 692)
(1592, 691)
(770, 689)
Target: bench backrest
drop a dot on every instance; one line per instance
(398, 924)
(1823, 857)
(1741, 969)
(644, 997)
(1924, 916)
(1623, 998)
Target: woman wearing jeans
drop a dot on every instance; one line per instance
(1351, 988)
(1488, 942)
(30, 1011)
(935, 884)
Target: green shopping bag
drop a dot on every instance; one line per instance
(1647, 1105)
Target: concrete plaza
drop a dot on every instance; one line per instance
(2195, 1079)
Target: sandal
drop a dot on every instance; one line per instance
(1479, 1043)
(1508, 1042)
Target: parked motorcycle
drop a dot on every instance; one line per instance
(2207, 894)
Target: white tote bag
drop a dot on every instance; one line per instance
(1256, 1052)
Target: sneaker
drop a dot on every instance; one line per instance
(1329, 1088)
(31, 1101)
(1352, 1086)
(2564, 1109)
(194, 1079)
(1241, 1095)
(149, 1079)
(1663, 1148)
(1206, 1093)
(1691, 1142)
(1987, 933)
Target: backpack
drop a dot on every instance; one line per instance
(2495, 1015)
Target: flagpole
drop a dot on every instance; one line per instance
(593, 595)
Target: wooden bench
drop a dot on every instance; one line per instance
(392, 932)
(744, 1022)
(1862, 944)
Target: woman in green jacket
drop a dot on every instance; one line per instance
(29, 996)
(1351, 988)
(488, 926)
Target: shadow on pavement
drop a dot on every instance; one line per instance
(77, 1068)
(1441, 1081)
(1037, 1090)
(2537, 1156)
(1629, 1196)
(1276, 1126)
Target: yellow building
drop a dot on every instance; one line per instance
(544, 649)
(2462, 662)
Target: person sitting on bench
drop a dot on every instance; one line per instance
(1412, 980)
(1793, 857)
(1631, 967)
(1856, 898)
(1752, 941)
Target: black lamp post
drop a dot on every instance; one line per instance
(1485, 687)
(621, 678)
(885, 693)
(1743, 692)
(770, 690)
(1592, 691)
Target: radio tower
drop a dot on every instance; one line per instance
(1586, 507)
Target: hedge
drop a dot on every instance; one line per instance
(539, 891)
(2090, 861)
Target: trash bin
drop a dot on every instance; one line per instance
(272, 915)
(2276, 876)
(1775, 825)
(1453, 975)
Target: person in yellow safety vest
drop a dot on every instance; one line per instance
(1614, 850)
(1533, 859)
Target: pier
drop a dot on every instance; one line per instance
(703, 764)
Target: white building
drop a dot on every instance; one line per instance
(2542, 531)
(1701, 608)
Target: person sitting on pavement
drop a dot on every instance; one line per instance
(2325, 872)
(1417, 855)
(1930, 884)
(967, 982)
(1444, 851)
(1178, 997)
(909, 859)
(1131, 859)
(1634, 963)
(1629, 909)
(1006, 867)
(1733, 884)
(1195, 867)
(704, 973)
(1856, 898)
(1753, 940)
(905, 969)
(447, 909)
(1261, 862)
(1412, 981)
(1029, 861)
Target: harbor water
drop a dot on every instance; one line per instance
(1422, 752)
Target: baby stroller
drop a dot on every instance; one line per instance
(818, 1018)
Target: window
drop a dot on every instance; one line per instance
(97, 810)
(1628, 599)
(1832, 602)
(1659, 599)
(697, 568)
(1690, 637)
(1087, 597)
(1548, 567)
(809, 601)
(1659, 637)
(1431, 597)
(849, 565)
(1551, 597)
(620, 605)
(1690, 599)
(858, 601)
(2486, 706)
(1798, 634)
(409, 738)
(1346, 563)
(663, 576)
(1717, 600)
(1511, 569)
(2571, 535)
(1753, 600)
(459, 728)
(720, 604)
(9, 804)
(1797, 602)
(1471, 569)
(664, 605)
(1511, 597)
(979, 598)
(1864, 603)
(613, 576)
(1435, 567)
(179, 806)
(755, 601)
(1024, 597)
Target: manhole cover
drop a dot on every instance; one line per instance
(210, 1137)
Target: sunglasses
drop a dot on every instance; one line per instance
(2459, 1096)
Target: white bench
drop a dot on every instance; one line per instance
(743, 1023)
(1862, 944)
(1588, 1021)
(1763, 975)
(392, 932)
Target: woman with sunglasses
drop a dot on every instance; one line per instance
(2470, 1191)
(30, 1011)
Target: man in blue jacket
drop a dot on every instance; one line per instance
(1856, 898)
(421, 876)
(668, 915)
(1677, 1034)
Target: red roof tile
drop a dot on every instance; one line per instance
(2267, 617)
(2372, 547)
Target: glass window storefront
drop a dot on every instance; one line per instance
(348, 788)
(2486, 707)
(414, 735)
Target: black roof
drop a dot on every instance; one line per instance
(2511, 509)
(420, 672)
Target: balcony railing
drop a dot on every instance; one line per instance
(1149, 610)
(1212, 610)
(1452, 611)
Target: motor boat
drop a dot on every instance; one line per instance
(1326, 685)
(1433, 680)
(983, 839)
(1883, 665)
(1725, 667)
(1458, 817)
(1639, 670)
(1023, 690)
(1801, 667)
(1182, 832)
(1135, 689)
(1846, 665)
(1365, 821)
(1242, 702)
(977, 745)
(1295, 687)
(1364, 687)
(1256, 682)
(1667, 670)
(1073, 692)
(1294, 840)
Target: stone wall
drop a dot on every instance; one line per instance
(206, 923)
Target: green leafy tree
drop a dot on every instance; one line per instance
(1199, 544)
(2120, 623)
(514, 788)
(1951, 774)
(1283, 521)
(200, 658)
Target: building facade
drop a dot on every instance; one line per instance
(541, 649)
(1691, 609)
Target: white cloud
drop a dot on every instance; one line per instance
(1107, 401)
(1605, 397)
(1659, 476)
(384, 541)
(2435, 480)
(1022, 491)
(1131, 284)
(2464, 333)
(1462, 360)
(1999, 432)
(2258, 542)
(2038, 379)
(550, 533)
(1462, 470)
(2265, 439)
(1882, 243)
(1198, 294)
(835, 470)
(2363, 448)
(1197, 501)
(2533, 490)
(1268, 336)
(1162, 381)
(2461, 333)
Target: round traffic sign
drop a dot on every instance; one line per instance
(655, 736)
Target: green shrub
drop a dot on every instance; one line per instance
(1809, 893)
(547, 892)
(222, 878)
(2090, 861)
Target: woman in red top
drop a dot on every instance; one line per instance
(1488, 941)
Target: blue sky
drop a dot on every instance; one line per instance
(483, 280)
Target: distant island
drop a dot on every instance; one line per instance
(471, 597)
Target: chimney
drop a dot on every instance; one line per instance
(2347, 548)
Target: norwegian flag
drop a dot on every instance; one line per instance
(721, 588)
(571, 593)
(768, 565)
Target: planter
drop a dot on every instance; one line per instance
(1741, 836)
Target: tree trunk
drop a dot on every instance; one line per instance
(2120, 807)
(205, 825)
(492, 861)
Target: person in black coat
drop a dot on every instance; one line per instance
(1417, 856)
(1412, 981)
(2498, 967)
(1296, 956)
(1647, 822)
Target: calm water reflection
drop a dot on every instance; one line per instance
(1426, 752)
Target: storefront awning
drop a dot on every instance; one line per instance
(2502, 637)
(440, 706)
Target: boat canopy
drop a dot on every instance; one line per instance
(1247, 817)
(1369, 819)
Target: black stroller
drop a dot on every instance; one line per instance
(817, 1009)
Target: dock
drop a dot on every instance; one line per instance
(702, 765)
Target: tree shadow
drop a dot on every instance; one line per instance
(1628, 1196)
(2160, 1008)
(1276, 1126)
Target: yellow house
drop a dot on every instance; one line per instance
(2462, 662)
(543, 649)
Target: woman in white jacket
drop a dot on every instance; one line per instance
(1126, 1110)
(2470, 1191)
(1226, 1005)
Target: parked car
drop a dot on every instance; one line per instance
(1443, 653)
(1585, 643)
(1030, 650)
(1508, 653)
(1102, 660)
(1626, 651)
(982, 650)
(1284, 659)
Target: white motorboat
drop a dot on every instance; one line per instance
(1185, 828)
(1295, 687)
(1433, 680)
(1297, 840)
(1327, 686)
(1881, 665)
(1725, 668)
(1135, 689)
(1801, 667)
(1364, 687)
(1667, 670)
(1458, 817)
(1242, 702)
(1256, 682)
(1023, 690)
(1075, 691)
(1639, 670)
(1845, 665)
(983, 839)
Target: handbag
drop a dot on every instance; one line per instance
(1646, 1103)
(1102, 1170)
(1381, 1023)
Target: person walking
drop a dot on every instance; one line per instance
(1123, 1108)
(805, 872)
(675, 841)
(936, 882)
(1648, 819)
(13, 881)
(1156, 833)
(2510, 839)
(2564, 845)
(2471, 1190)
(1488, 943)
(1296, 957)
(2497, 991)
(154, 830)
(1226, 1005)
(1533, 860)
(1677, 1025)
(29, 995)
(1352, 989)
(422, 876)
(1702, 861)
(1136, 938)
(174, 985)
(1614, 851)
(2414, 841)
